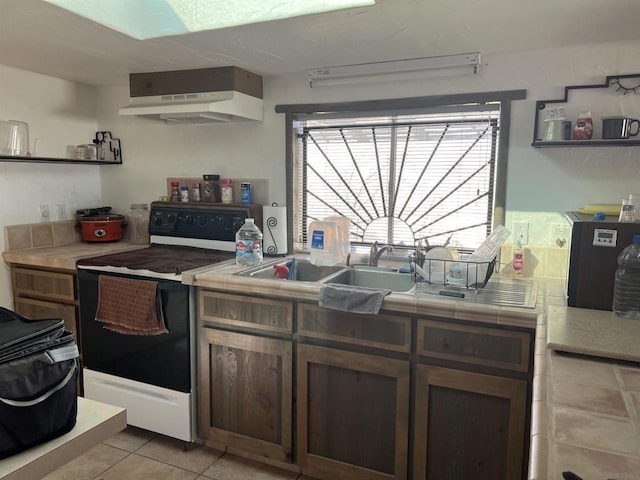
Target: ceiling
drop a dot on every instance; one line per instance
(43, 38)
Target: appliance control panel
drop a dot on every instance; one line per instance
(200, 221)
(604, 237)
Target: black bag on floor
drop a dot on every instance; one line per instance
(38, 378)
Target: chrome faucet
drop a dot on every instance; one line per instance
(375, 253)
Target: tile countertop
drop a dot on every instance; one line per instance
(586, 405)
(65, 256)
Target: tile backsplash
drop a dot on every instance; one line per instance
(45, 234)
(545, 255)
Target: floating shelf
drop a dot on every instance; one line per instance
(8, 158)
(609, 81)
(101, 138)
(586, 143)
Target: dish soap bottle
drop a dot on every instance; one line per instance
(249, 244)
(518, 260)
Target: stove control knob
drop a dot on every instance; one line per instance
(171, 218)
(157, 220)
(237, 223)
(201, 220)
(188, 218)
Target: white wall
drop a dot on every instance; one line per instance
(59, 113)
(541, 182)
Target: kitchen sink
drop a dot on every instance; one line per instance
(384, 279)
(498, 291)
(303, 270)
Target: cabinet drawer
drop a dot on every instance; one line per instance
(38, 309)
(256, 313)
(44, 284)
(379, 331)
(491, 347)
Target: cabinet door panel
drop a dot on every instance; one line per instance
(260, 314)
(390, 332)
(488, 346)
(246, 392)
(468, 425)
(44, 284)
(352, 415)
(39, 309)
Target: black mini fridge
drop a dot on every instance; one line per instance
(593, 258)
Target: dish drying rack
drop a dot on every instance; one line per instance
(472, 272)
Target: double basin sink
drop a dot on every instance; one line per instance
(503, 291)
(361, 276)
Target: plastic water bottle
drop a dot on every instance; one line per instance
(626, 293)
(249, 244)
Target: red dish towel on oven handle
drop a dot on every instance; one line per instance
(130, 306)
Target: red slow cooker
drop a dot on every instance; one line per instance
(100, 226)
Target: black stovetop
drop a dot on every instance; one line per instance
(161, 259)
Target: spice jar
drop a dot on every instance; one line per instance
(195, 192)
(138, 223)
(211, 188)
(175, 191)
(227, 190)
(246, 193)
(184, 193)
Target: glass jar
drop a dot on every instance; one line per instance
(138, 224)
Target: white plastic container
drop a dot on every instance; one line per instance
(343, 224)
(324, 243)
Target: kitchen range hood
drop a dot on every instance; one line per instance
(208, 95)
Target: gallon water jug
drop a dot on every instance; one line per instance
(342, 224)
(324, 243)
(626, 293)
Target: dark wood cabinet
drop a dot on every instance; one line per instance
(41, 294)
(352, 415)
(364, 397)
(261, 315)
(471, 401)
(245, 377)
(245, 393)
(468, 425)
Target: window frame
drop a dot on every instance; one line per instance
(406, 105)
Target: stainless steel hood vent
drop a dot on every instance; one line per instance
(210, 95)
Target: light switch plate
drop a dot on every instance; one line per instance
(521, 232)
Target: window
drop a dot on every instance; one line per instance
(433, 172)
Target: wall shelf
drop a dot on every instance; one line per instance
(102, 139)
(8, 158)
(620, 82)
(586, 143)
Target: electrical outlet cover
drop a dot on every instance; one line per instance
(62, 211)
(45, 215)
(559, 235)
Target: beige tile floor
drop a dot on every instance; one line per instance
(141, 455)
